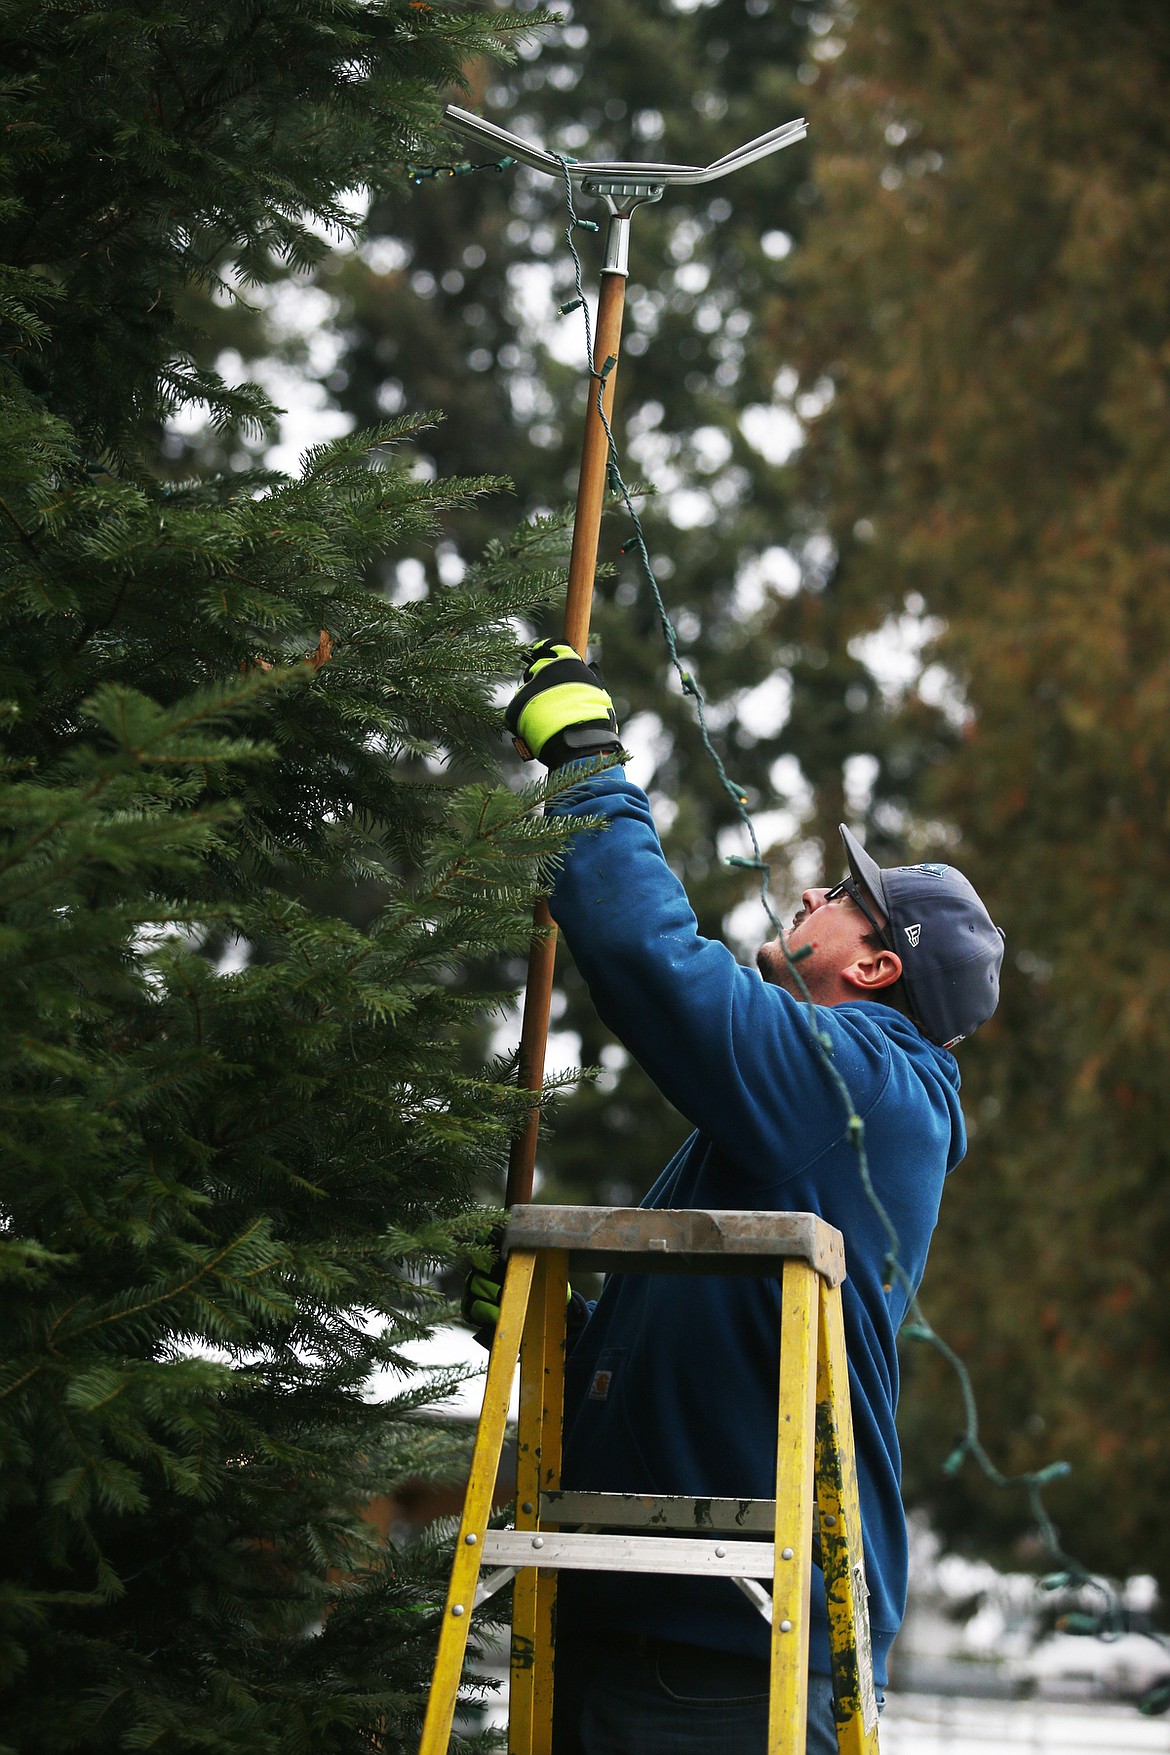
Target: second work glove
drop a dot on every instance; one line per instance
(562, 712)
(484, 1287)
(482, 1290)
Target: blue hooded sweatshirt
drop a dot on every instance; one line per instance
(672, 1386)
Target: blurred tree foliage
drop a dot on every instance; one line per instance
(236, 1133)
(982, 294)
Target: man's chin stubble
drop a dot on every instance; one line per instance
(773, 965)
(778, 971)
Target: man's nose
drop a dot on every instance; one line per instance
(813, 899)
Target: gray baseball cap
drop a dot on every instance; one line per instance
(950, 949)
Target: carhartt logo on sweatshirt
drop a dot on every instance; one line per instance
(599, 1387)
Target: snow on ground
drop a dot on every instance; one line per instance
(924, 1724)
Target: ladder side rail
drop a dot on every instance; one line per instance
(842, 1552)
(538, 1467)
(477, 1505)
(795, 1451)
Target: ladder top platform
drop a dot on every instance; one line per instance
(676, 1240)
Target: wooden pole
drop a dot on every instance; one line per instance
(578, 605)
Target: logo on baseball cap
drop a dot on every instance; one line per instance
(950, 949)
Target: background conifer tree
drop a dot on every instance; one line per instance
(235, 1133)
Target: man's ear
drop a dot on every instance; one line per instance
(873, 970)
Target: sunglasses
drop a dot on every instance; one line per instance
(847, 887)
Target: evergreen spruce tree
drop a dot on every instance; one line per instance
(236, 1134)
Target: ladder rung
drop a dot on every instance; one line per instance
(601, 1553)
(662, 1511)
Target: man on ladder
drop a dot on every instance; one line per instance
(671, 1386)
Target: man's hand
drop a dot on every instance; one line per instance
(562, 712)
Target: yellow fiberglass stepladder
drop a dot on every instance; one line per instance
(815, 1517)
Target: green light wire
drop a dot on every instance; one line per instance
(418, 174)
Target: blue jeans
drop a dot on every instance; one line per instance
(632, 1696)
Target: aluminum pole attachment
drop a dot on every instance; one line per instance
(592, 172)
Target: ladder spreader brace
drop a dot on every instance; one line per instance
(814, 1518)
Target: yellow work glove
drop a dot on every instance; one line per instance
(562, 712)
